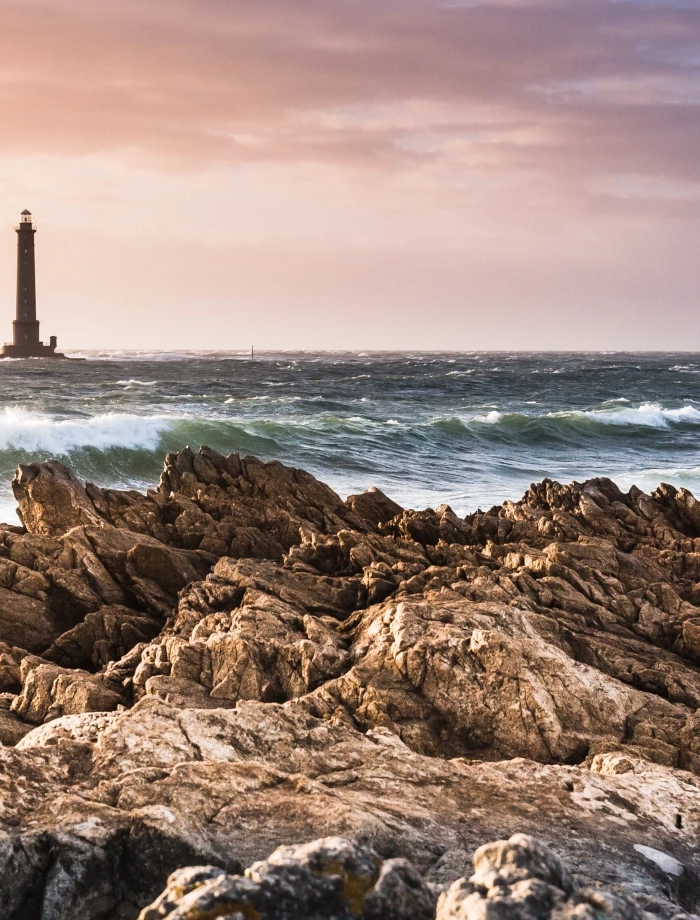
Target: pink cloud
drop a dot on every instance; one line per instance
(510, 155)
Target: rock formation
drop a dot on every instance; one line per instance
(239, 663)
(518, 878)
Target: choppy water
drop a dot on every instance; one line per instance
(468, 429)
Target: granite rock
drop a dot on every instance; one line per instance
(239, 661)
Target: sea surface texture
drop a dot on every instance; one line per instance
(467, 429)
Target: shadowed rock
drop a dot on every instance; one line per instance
(517, 879)
(328, 878)
(239, 660)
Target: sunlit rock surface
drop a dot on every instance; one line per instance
(239, 662)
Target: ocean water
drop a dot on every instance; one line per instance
(468, 429)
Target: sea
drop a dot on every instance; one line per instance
(467, 429)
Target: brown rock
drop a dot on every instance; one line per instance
(292, 666)
(12, 728)
(522, 878)
(327, 878)
(51, 500)
(374, 507)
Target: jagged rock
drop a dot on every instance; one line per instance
(25, 622)
(49, 691)
(123, 799)
(374, 506)
(239, 660)
(146, 571)
(57, 594)
(461, 678)
(50, 499)
(332, 877)
(222, 505)
(521, 879)
(103, 636)
(10, 680)
(261, 648)
(516, 879)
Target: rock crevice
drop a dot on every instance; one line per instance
(240, 660)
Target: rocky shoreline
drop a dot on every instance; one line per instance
(239, 663)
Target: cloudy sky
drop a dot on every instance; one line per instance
(391, 174)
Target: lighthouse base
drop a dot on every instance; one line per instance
(38, 350)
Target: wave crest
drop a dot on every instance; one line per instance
(34, 432)
(649, 415)
(99, 439)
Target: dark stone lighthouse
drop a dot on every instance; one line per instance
(25, 328)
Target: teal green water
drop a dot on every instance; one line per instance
(467, 429)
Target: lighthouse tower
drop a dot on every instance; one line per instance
(25, 328)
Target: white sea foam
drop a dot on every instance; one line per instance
(133, 384)
(35, 432)
(490, 418)
(177, 355)
(279, 400)
(8, 507)
(651, 415)
(648, 480)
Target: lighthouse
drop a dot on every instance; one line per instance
(25, 328)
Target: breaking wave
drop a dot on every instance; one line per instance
(34, 432)
(126, 447)
(593, 422)
(650, 415)
(469, 429)
(132, 384)
(41, 434)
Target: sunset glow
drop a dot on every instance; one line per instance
(355, 174)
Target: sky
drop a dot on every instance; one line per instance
(360, 174)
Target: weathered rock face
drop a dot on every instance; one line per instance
(239, 661)
(523, 878)
(221, 505)
(328, 878)
(519, 878)
(51, 500)
(107, 805)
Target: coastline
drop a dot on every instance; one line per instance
(239, 660)
(472, 430)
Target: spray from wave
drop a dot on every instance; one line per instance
(132, 384)
(649, 415)
(33, 432)
(470, 429)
